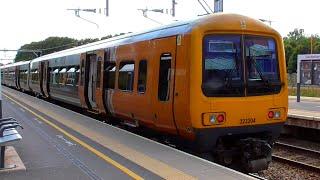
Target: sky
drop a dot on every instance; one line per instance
(24, 21)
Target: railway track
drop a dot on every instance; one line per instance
(297, 163)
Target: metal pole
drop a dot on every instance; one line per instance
(107, 7)
(3, 148)
(173, 8)
(298, 78)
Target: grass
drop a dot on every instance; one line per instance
(310, 91)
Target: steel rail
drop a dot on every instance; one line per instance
(296, 163)
(257, 176)
(281, 144)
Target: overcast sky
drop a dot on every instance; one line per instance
(24, 21)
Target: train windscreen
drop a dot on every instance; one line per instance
(262, 66)
(235, 65)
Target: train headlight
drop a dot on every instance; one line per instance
(215, 118)
(277, 114)
(212, 119)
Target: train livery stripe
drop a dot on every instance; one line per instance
(82, 143)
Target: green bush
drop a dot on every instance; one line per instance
(309, 91)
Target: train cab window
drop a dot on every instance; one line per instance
(142, 78)
(126, 76)
(164, 77)
(110, 74)
(222, 66)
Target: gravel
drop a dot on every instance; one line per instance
(281, 171)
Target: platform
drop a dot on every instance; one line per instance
(305, 113)
(61, 144)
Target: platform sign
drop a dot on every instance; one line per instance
(218, 6)
(308, 71)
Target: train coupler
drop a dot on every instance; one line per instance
(256, 154)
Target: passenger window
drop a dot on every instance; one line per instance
(62, 76)
(110, 75)
(71, 76)
(126, 76)
(55, 76)
(164, 77)
(142, 78)
(34, 76)
(98, 72)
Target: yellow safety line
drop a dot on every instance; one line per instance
(85, 145)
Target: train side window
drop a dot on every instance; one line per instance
(34, 76)
(71, 76)
(142, 78)
(62, 76)
(98, 72)
(164, 77)
(55, 76)
(126, 76)
(110, 74)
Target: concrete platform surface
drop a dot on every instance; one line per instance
(61, 144)
(305, 113)
(12, 161)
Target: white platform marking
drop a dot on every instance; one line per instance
(66, 141)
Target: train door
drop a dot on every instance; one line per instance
(109, 75)
(92, 59)
(164, 51)
(87, 81)
(83, 82)
(99, 94)
(45, 78)
(17, 79)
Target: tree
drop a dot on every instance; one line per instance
(296, 43)
(106, 37)
(54, 44)
(87, 41)
(49, 45)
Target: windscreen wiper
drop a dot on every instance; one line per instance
(265, 81)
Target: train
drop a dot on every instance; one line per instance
(218, 83)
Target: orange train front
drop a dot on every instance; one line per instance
(218, 83)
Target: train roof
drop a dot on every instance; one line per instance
(216, 21)
(163, 31)
(15, 64)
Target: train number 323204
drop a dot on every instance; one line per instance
(247, 121)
